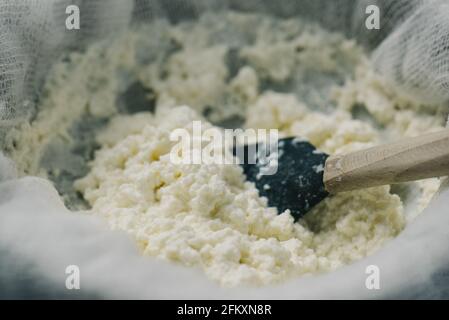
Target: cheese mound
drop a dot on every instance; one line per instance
(209, 216)
(271, 73)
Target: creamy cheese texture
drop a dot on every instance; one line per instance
(276, 74)
(208, 216)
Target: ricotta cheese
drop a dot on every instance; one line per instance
(277, 74)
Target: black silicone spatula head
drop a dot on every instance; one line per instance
(297, 184)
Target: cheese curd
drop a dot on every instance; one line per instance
(209, 216)
(276, 74)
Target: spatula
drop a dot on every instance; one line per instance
(305, 176)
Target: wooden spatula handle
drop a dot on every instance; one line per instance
(405, 160)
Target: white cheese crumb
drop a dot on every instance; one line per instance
(318, 168)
